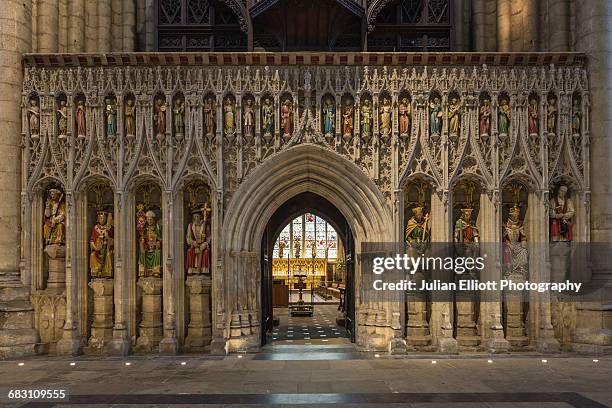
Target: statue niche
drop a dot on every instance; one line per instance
(515, 263)
(466, 237)
(149, 238)
(417, 238)
(33, 115)
(54, 238)
(101, 266)
(197, 199)
(404, 111)
(348, 117)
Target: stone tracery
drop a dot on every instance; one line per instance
(167, 124)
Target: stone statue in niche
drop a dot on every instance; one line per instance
(561, 215)
(466, 236)
(329, 117)
(385, 117)
(286, 116)
(533, 117)
(198, 242)
(405, 110)
(55, 218)
(248, 117)
(80, 119)
(130, 118)
(418, 229)
(435, 116)
(101, 245)
(297, 249)
(62, 119)
(366, 119)
(347, 119)
(485, 117)
(34, 118)
(209, 116)
(229, 115)
(150, 240)
(281, 249)
(576, 117)
(515, 246)
(503, 118)
(267, 114)
(159, 117)
(110, 113)
(454, 116)
(179, 117)
(551, 114)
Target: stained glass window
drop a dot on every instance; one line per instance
(307, 233)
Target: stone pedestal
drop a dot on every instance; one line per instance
(17, 336)
(150, 327)
(199, 331)
(417, 327)
(56, 266)
(515, 326)
(445, 342)
(103, 307)
(467, 333)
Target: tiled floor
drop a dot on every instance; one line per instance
(320, 329)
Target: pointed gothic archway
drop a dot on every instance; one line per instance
(305, 168)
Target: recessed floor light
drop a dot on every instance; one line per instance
(183, 363)
(128, 364)
(545, 361)
(72, 364)
(239, 355)
(489, 361)
(596, 361)
(21, 364)
(434, 362)
(377, 355)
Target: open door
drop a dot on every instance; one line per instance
(349, 249)
(267, 322)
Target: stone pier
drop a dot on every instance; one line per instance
(199, 331)
(150, 327)
(102, 325)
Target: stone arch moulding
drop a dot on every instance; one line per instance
(299, 169)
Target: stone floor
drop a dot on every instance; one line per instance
(319, 329)
(298, 375)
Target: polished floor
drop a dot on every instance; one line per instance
(319, 329)
(246, 380)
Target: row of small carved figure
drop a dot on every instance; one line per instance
(286, 112)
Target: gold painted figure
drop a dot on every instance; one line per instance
(55, 219)
(101, 244)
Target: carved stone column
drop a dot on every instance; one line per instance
(17, 336)
(199, 331)
(514, 311)
(56, 264)
(417, 327)
(150, 327)
(441, 309)
(102, 326)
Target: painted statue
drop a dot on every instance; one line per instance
(286, 114)
(110, 112)
(465, 231)
(267, 113)
(561, 214)
(454, 116)
(297, 249)
(150, 249)
(484, 120)
(229, 116)
(198, 242)
(385, 117)
(101, 246)
(329, 117)
(160, 117)
(435, 117)
(281, 249)
(209, 116)
(34, 117)
(347, 119)
(576, 117)
(130, 118)
(503, 118)
(248, 117)
(178, 119)
(366, 118)
(55, 218)
(80, 119)
(405, 109)
(417, 229)
(515, 245)
(551, 115)
(62, 119)
(533, 117)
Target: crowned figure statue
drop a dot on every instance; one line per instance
(101, 245)
(515, 255)
(467, 236)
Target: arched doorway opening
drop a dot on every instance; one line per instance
(321, 209)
